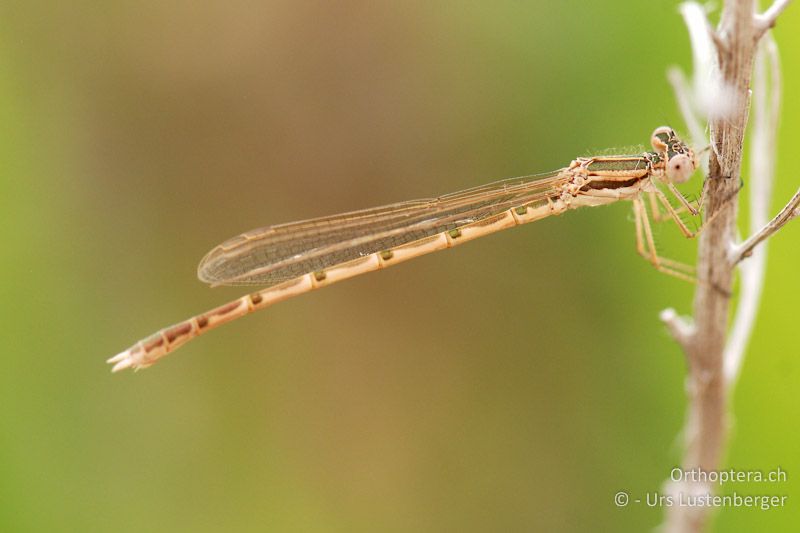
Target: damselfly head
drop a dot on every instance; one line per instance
(680, 161)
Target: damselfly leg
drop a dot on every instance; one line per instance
(646, 247)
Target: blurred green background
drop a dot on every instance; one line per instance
(516, 383)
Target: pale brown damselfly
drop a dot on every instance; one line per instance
(291, 259)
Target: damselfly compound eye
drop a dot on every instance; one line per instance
(661, 136)
(680, 168)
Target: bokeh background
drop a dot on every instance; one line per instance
(513, 384)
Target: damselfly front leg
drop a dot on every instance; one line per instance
(695, 207)
(673, 213)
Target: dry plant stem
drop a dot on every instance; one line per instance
(786, 214)
(712, 298)
(706, 426)
(766, 20)
(680, 86)
(763, 154)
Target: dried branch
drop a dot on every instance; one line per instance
(679, 327)
(683, 94)
(766, 20)
(786, 214)
(722, 84)
(763, 148)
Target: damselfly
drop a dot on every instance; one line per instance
(291, 259)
